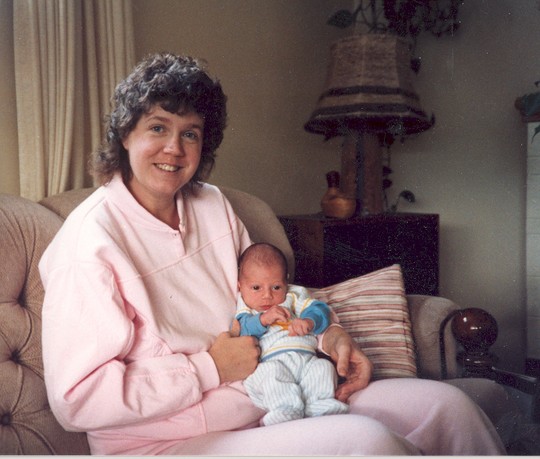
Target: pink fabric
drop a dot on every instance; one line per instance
(400, 416)
(434, 416)
(129, 315)
(130, 312)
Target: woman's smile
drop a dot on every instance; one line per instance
(167, 167)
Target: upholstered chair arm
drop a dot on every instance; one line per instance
(427, 314)
(27, 425)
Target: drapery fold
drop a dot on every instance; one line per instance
(69, 55)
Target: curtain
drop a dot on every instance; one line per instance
(69, 55)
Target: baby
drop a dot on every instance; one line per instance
(290, 382)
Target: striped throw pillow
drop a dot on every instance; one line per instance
(373, 309)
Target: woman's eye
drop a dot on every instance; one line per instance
(192, 136)
(159, 129)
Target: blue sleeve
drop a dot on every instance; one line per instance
(250, 325)
(319, 313)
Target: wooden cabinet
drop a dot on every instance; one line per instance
(329, 250)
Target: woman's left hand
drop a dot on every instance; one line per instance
(351, 363)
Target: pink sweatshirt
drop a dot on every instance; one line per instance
(131, 308)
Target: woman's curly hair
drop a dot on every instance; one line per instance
(178, 84)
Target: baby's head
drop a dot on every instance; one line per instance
(262, 276)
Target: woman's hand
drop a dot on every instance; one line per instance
(236, 357)
(351, 363)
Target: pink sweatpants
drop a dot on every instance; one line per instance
(389, 417)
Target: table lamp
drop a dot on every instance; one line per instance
(368, 94)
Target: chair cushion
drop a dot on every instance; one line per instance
(373, 309)
(261, 222)
(63, 204)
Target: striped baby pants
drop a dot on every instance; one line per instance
(294, 385)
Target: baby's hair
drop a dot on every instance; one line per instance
(264, 254)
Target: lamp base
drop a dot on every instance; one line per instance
(476, 365)
(476, 330)
(361, 172)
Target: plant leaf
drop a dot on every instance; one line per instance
(531, 103)
(341, 19)
(408, 195)
(536, 131)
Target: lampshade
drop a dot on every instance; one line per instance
(369, 89)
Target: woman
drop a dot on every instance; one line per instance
(140, 289)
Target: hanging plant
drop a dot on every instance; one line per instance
(529, 106)
(405, 18)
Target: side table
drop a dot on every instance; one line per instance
(330, 250)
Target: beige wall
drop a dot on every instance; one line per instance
(270, 57)
(470, 168)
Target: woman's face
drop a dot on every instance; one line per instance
(164, 153)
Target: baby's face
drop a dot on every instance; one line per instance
(262, 286)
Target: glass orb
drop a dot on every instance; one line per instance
(475, 329)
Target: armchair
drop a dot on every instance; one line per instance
(27, 425)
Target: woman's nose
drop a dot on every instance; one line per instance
(174, 146)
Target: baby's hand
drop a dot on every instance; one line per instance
(301, 327)
(275, 314)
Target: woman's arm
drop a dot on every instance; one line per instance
(89, 333)
(351, 363)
